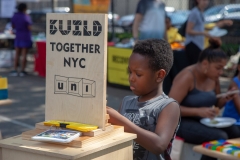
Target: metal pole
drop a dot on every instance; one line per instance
(71, 6)
(0, 8)
(53, 6)
(127, 6)
(112, 10)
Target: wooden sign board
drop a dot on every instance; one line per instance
(76, 68)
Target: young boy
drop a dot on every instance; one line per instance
(152, 115)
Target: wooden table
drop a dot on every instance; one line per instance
(217, 154)
(117, 148)
(4, 36)
(5, 102)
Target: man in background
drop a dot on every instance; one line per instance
(149, 20)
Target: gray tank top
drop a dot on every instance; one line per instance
(197, 98)
(145, 115)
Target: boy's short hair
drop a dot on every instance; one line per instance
(158, 51)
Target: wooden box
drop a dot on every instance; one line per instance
(76, 92)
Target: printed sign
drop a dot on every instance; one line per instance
(8, 7)
(76, 68)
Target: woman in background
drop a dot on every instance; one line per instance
(195, 31)
(195, 88)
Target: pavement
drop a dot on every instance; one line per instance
(28, 95)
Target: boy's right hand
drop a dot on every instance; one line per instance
(207, 112)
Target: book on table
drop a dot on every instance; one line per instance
(57, 135)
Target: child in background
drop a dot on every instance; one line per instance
(232, 108)
(151, 114)
(172, 32)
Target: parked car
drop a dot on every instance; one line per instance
(114, 16)
(219, 12)
(126, 22)
(178, 17)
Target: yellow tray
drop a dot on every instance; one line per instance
(71, 125)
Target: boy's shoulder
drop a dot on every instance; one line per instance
(129, 98)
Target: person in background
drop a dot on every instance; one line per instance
(232, 108)
(21, 22)
(8, 28)
(195, 88)
(195, 33)
(219, 24)
(149, 20)
(151, 114)
(172, 32)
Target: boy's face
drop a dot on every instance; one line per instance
(141, 78)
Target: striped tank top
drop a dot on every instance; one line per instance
(145, 115)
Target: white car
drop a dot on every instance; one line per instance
(219, 12)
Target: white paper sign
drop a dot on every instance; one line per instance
(8, 8)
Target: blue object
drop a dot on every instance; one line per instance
(230, 109)
(3, 94)
(237, 123)
(82, 2)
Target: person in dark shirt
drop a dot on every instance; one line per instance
(149, 20)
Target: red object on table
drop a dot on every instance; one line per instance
(40, 59)
(110, 44)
